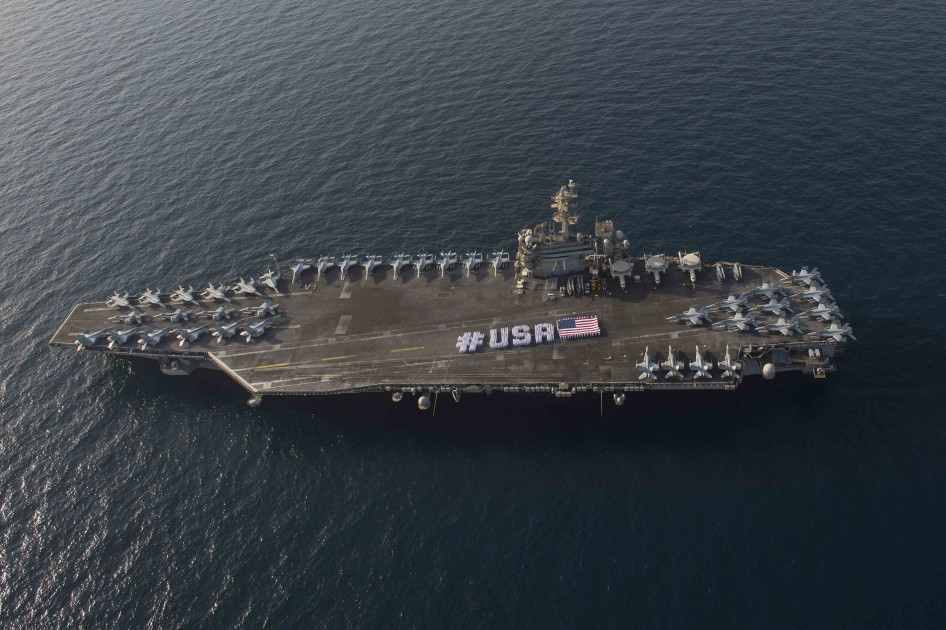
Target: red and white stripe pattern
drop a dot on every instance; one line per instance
(578, 327)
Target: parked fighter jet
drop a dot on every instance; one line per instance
(739, 322)
(225, 331)
(835, 331)
(150, 297)
(371, 261)
(251, 331)
(446, 262)
(264, 309)
(118, 301)
(768, 291)
(423, 261)
(733, 302)
(134, 317)
(325, 263)
(498, 260)
(700, 366)
(245, 287)
(787, 327)
(816, 293)
(298, 267)
(692, 317)
(655, 265)
(728, 366)
(471, 262)
(180, 315)
(219, 314)
(119, 337)
(190, 335)
(348, 261)
(151, 337)
(825, 311)
(86, 339)
(400, 260)
(775, 306)
(270, 279)
(672, 365)
(647, 367)
(182, 295)
(215, 294)
(804, 276)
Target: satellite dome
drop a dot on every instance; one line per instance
(521, 238)
(530, 240)
(619, 235)
(627, 243)
(768, 371)
(607, 243)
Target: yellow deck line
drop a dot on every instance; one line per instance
(263, 367)
(408, 349)
(347, 356)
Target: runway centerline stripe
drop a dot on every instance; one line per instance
(408, 349)
(347, 356)
(263, 367)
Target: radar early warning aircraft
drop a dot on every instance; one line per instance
(836, 332)
(825, 311)
(672, 365)
(700, 366)
(219, 314)
(252, 331)
(691, 263)
(86, 339)
(298, 267)
(655, 265)
(212, 293)
(180, 315)
(183, 295)
(118, 301)
(471, 262)
(733, 302)
(728, 366)
(739, 322)
(787, 327)
(190, 335)
(264, 309)
(225, 331)
(692, 317)
(151, 297)
(647, 367)
(498, 260)
(151, 337)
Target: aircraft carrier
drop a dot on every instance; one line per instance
(564, 312)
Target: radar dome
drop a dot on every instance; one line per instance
(619, 235)
(627, 243)
(423, 403)
(768, 371)
(530, 240)
(607, 243)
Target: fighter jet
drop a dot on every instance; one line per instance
(298, 267)
(86, 339)
(151, 337)
(647, 367)
(471, 262)
(180, 315)
(270, 279)
(692, 317)
(182, 295)
(700, 366)
(119, 337)
(655, 265)
(134, 317)
(739, 322)
(264, 309)
(835, 331)
(325, 263)
(498, 260)
(251, 331)
(816, 293)
(672, 365)
(784, 326)
(151, 297)
(423, 261)
(446, 262)
(825, 311)
(190, 335)
(768, 291)
(728, 366)
(400, 260)
(804, 276)
(219, 314)
(118, 301)
(775, 306)
(371, 261)
(348, 261)
(733, 302)
(691, 263)
(225, 331)
(245, 287)
(215, 294)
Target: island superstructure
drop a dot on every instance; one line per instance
(567, 312)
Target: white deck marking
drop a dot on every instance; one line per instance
(343, 323)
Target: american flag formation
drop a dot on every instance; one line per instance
(578, 327)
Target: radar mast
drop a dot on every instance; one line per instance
(562, 213)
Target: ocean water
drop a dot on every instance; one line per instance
(151, 144)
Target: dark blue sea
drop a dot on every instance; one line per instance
(157, 143)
